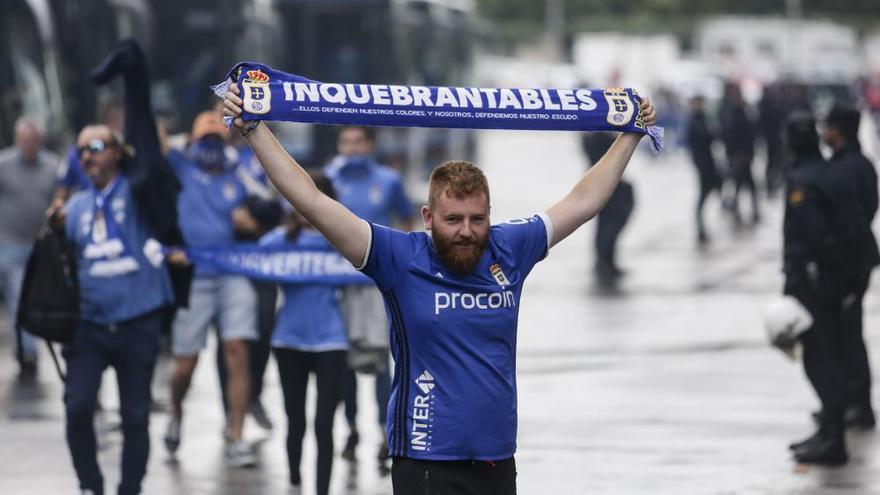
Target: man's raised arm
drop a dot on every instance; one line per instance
(594, 189)
(349, 234)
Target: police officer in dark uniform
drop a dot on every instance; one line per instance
(771, 118)
(738, 134)
(840, 132)
(613, 217)
(699, 141)
(819, 234)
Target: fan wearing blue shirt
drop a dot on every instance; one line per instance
(369, 189)
(309, 338)
(453, 293)
(211, 192)
(375, 193)
(117, 256)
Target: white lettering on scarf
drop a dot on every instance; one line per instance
(421, 96)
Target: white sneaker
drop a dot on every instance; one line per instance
(239, 455)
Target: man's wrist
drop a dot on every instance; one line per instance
(247, 129)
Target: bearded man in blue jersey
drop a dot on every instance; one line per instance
(453, 294)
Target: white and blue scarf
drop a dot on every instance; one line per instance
(279, 264)
(269, 94)
(107, 252)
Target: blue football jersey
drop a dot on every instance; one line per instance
(453, 339)
(109, 294)
(205, 203)
(370, 190)
(310, 319)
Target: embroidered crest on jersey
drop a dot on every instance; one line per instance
(229, 191)
(375, 195)
(498, 275)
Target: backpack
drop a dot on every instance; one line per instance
(49, 304)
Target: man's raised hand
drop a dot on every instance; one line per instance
(649, 117)
(232, 106)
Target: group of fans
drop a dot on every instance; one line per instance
(224, 198)
(450, 412)
(128, 300)
(129, 206)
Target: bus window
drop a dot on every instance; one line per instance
(23, 88)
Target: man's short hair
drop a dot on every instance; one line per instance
(456, 178)
(846, 120)
(369, 132)
(28, 121)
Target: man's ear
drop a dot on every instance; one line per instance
(118, 153)
(427, 217)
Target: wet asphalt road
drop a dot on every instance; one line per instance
(661, 385)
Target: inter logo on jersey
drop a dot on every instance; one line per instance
(498, 275)
(423, 414)
(425, 381)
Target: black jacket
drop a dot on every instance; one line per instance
(851, 162)
(737, 129)
(153, 183)
(699, 141)
(822, 228)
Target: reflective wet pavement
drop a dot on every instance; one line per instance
(662, 385)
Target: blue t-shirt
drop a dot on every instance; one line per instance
(249, 164)
(370, 190)
(310, 319)
(205, 204)
(454, 340)
(123, 277)
(71, 174)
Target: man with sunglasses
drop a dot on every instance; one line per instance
(26, 181)
(71, 176)
(124, 288)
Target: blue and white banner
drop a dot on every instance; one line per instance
(269, 94)
(280, 264)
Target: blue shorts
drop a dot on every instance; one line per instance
(228, 302)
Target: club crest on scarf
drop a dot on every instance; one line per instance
(257, 95)
(620, 107)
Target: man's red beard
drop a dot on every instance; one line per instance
(459, 256)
